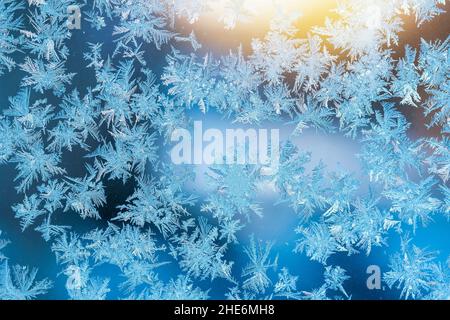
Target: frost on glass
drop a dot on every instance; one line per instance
(85, 132)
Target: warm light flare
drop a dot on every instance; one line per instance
(247, 19)
(260, 8)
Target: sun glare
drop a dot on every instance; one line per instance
(247, 19)
(258, 12)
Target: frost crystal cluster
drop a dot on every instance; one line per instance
(91, 91)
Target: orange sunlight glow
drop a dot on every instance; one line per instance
(247, 19)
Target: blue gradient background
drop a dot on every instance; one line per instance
(278, 223)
